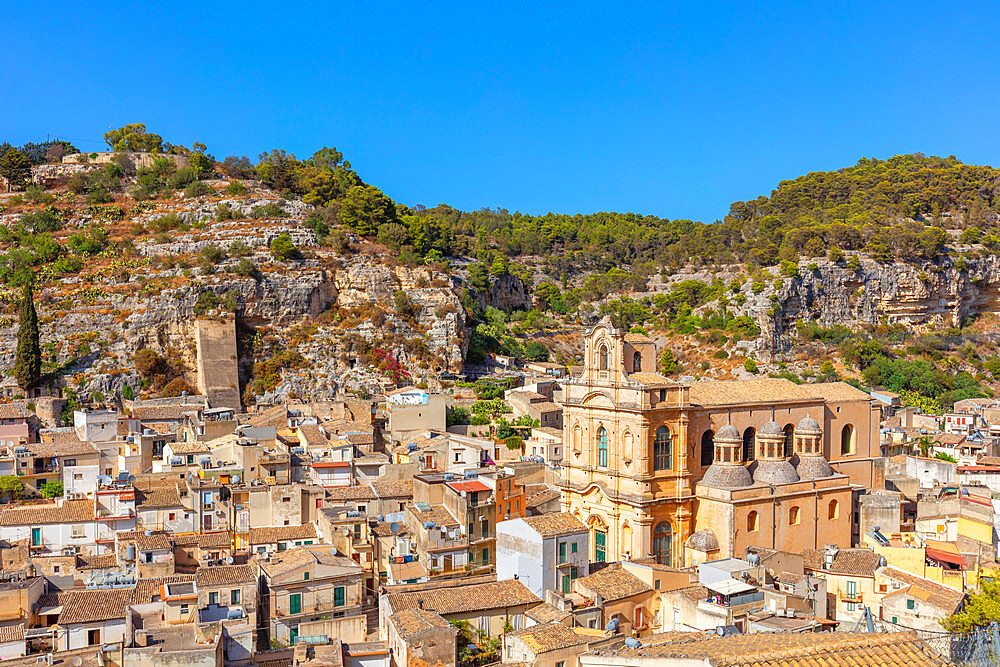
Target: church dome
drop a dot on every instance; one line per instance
(722, 476)
(704, 540)
(771, 428)
(808, 424)
(813, 467)
(728, 433)
(775, 472)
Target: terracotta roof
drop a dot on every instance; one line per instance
(96, 605)
(836, 392)
(860, 562)
(148, 588)
(273, 534)
(156, 495)
(613, 583)
(470, 597)
(101, 562)
(12, 411)
(763, 390)
(773, 649)
(382, 529)
(204, 540)
(312, 435)
(190, 447)
(943, 598)
(393, 489)
(63, 447)
(439, 514)
(11, 633)
(221, 575)
(637, 338)
(287, 561)
(552, 525)
(650, 378)
(538, 496)
(547, 613)
(158, 412)
(276, 415)
(360, 492)
(407, 571)
(154, 542)
(555, 636)
(71, 511)
(411, 621)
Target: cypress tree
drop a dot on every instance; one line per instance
(28, 362)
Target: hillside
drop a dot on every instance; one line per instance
(335, 286)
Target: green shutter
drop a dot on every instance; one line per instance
(295, 603)
(565, 584)
(562, 552)
(600, 546)
(338, 596)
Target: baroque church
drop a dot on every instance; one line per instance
(692, 472)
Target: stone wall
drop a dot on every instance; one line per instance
(218, 370)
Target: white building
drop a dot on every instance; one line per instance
(96, 425)
(544, 552)
(53, 527)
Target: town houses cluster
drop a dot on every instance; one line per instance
(595, 515)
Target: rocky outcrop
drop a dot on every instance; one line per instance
(507, 293)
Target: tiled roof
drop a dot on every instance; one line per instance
(96, 605)
(148, 588)
(637, 338)
(205, 540)
(860, 562)
(763, 390)
(943, 598)
(287, 561)
(393, 489)
(613, 583)
(101, 562)
(190, 447)
(552, 525)
(460, 599)
(157, 412)
(63, 447)
(312, 435)
(836, 392)
(774, 649)
(221, 575)
(276, 415)
(273, 534)
(12, 411)
(555, 636)
(439, 514)
(533, 497)
(650, 378)
(384, 529)
(12, 633)
(360, 492)
(547, 613)
(156, 495)
(154, 542)
(411, 621)
(72, 511)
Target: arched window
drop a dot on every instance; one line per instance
(834, 510)
(636, 362)
(753, 521)
(602, 358)
(748, 451)
(626, 539)
(661, 449)
(789, 431)
(627, 446)
(707, 447)
(793, 515)
(577, 438)
(847, 440)
(662, 537)
(602, 447)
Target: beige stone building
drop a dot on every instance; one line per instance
(644, 469)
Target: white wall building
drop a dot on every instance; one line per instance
(545, 552)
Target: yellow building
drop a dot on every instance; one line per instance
(638, 444)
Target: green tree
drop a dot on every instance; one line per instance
(668, 362)
(282, 248)
(750, 366)
(981, 609)
(28, 360)
(15, 168)
(366, 208)
(11, 486)
(536, 351)
(133, 137)
(52, 489)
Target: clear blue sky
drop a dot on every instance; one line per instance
(674, 109)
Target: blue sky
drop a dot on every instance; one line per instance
(673, 109)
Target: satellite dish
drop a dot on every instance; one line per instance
(346, 532)
(131, 479)
(229, 560)
(394, 527)
(77, 661)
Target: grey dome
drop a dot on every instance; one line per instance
(703, 540)
(727, 476)
(771, 428)
(808, 424)
(813, 467)
(775, 472)
(728, 433)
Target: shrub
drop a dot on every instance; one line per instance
(282, 248)
(225, 212)
(835, 255)
(246, 268)
(182, 178)
(750, 366)
(236, 188)
(239, 249)
(271, 210)
(197, 189)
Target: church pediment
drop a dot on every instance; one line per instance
(598, 399)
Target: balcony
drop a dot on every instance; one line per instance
(846, 596)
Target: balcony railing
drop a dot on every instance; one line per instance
(847, 596)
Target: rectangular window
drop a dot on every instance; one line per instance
(357, 531)
(574, 572)
(234, 596)
(600, 546)
(213, 597)
(338, 596)
(172, 516)
(295, 603)
(574, 548)
(77, 531)
(69, 462)
(562, 552)
(565, 584)
(486, 556)
(184, 609)
(910, 603)
(78, 477)
(305, 576)
(93, 637)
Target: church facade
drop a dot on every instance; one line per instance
(690, 472)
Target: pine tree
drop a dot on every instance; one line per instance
(28, 362)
